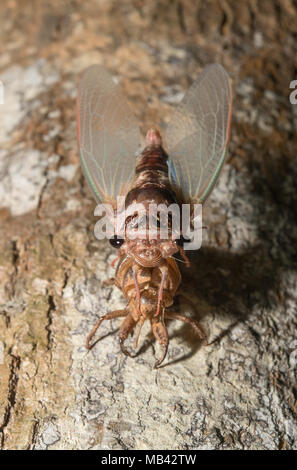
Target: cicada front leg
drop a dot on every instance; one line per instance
(161, 335)
(126, 328)
(108, 316)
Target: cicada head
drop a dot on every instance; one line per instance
(151, 253)
(148, 240)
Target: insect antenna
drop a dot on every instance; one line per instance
(178, 259)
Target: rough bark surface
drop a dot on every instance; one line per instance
(240, 391)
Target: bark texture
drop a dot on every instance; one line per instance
(240, 391)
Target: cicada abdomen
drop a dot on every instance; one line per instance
(196, 143)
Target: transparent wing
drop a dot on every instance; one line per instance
(198, 134)
(108, 135)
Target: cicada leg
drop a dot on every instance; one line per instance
(125, 329)
(108, 316)
(161, 335)
(161, 288)
(184, 256)
(108, 282)
(137, 290)
(115, 260)
(195, 325)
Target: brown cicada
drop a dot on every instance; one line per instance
(182, 171)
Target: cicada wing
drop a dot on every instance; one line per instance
(108, 135)
(198, 133)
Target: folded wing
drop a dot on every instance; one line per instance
(198, 133)
(108, 135)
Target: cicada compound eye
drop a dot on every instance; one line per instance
(116, 242)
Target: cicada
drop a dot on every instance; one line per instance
(181, 166)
